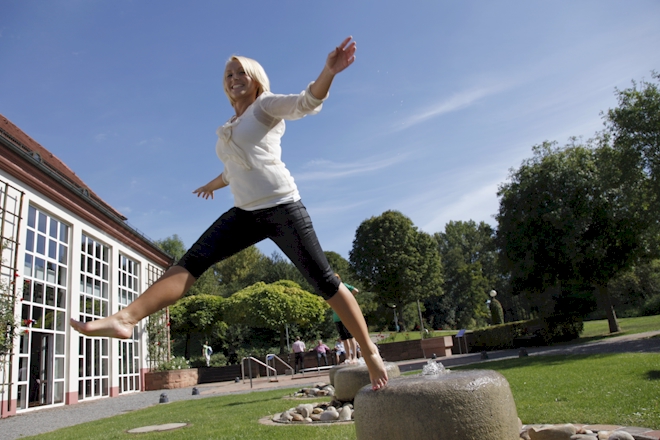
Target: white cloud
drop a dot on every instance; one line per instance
(479, 204)
(329, 170)
(456, 102)
(153, 142)
(100, 137)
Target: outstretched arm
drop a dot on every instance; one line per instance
(338, 60)
(206, 191)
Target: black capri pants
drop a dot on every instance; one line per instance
(288, 225)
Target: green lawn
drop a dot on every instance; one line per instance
(611, 389)
(600, 329)
(224, 417)
(618, 389)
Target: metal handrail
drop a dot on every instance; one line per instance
(276, 357)
(250, 359)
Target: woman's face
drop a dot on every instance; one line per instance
(239, 84)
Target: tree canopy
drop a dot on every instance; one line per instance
(396, 261)
(634, 126)
(273, 306)
(566, 222)
(468, 259)
(198, 314)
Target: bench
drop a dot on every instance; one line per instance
(317, 369)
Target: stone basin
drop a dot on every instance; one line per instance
(465, 405)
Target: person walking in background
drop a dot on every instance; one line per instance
(299, 353)
(346, 337)
(266, 203)
(321, 352)
(207, 351)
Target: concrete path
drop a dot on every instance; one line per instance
(45, 420)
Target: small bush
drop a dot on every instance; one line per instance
(496, 312)
(545, 330)
(651, 306)
(217, 360)
(562, 328)
(498, 337)
(176, 363)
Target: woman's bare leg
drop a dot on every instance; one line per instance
(344, 303)
(164, 292)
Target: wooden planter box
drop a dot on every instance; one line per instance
(441, 346)
(167, 380)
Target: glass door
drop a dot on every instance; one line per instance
(40, 378)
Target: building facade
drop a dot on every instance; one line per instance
(65, 254)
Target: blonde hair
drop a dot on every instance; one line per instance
(254, 70)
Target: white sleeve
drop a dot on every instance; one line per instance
(271, 106)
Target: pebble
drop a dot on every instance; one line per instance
(555, 432)
(345, 413)
(329, 415)
(570, 432)
(620, 435)
(316, 412)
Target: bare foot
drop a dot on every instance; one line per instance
(377, 371)
(114, 326)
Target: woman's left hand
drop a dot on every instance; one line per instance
(341, 57)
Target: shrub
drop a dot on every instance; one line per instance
(7, 322)
(496, 312)
(546, 331)
(176, 363)
(217, 360)
(651, 306)
(498, 337)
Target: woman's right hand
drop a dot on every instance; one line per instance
(204, 191)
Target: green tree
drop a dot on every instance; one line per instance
(277, 267)
(396, 261)
(197, 315)
(273, 306)
(631, 289)
(173, 246)
(566, 223)
(342, 266)
(468, 258)
(240, 270)
(206, 283)
(634, 127)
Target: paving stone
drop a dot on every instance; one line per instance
(157, 428)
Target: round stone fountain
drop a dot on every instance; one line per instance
(466, 405)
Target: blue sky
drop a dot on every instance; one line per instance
(443, 99)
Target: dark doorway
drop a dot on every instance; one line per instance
(41, 369)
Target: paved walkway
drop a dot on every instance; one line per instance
(45, 420)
